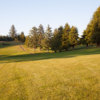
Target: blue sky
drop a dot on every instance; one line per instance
(25, 14)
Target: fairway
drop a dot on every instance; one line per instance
(71, 75)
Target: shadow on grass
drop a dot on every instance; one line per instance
(43, 56)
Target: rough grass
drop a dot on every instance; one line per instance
(73, 75)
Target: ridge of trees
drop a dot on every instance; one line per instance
(13, 35)
(61, 39)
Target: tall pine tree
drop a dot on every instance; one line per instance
(34, 37)
(96, 27)
(65, 37)
(22, 37)
(47, 40)
(73, 36)
(92, 34)
(12, 32)
(56, 42)
(41, 35)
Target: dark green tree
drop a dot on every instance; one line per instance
(73, 36)
(22, 37)
(28, 41)
(86, 37)
(96, 27)
(65, 37)
(92, 32)
(41, 35)
(82, 40)
(12, 32)
(34, 37)
(46, 43)
(56, 41)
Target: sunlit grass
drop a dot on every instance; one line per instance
(73, 75)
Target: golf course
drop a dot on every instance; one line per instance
(26, 74)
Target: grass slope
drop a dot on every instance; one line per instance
(73, 75)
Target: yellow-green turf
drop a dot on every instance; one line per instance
(71, 75)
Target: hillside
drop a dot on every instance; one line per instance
(71, 75)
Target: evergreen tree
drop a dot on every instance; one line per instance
(82, 39)
(28, 41)
(48, 32)
(56, 41)
(92, 34)
(34, 37)
(41, 35)
(5, 38)
(73, 36)
(22, 37)
(65, 37)
(86, 37)
(96, 27)
(12, 32)
(47, 39)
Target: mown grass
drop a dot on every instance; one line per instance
(72, 75)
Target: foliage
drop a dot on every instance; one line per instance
(22, 37)
(5, 38)
(56, 41)
(65, 37)
(12, 32)
(61, 39)
(73, 36)
(47, 39)
(34, 37)
(96, 27)
(41, 35)
(92, 32)
(27, 41)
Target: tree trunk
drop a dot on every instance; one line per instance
(73, 46)
(87, 45)
(98, 44)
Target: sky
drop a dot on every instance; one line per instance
(25, 14)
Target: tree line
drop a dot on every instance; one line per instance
(91, 34)
(60, 39)
(13, 35)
